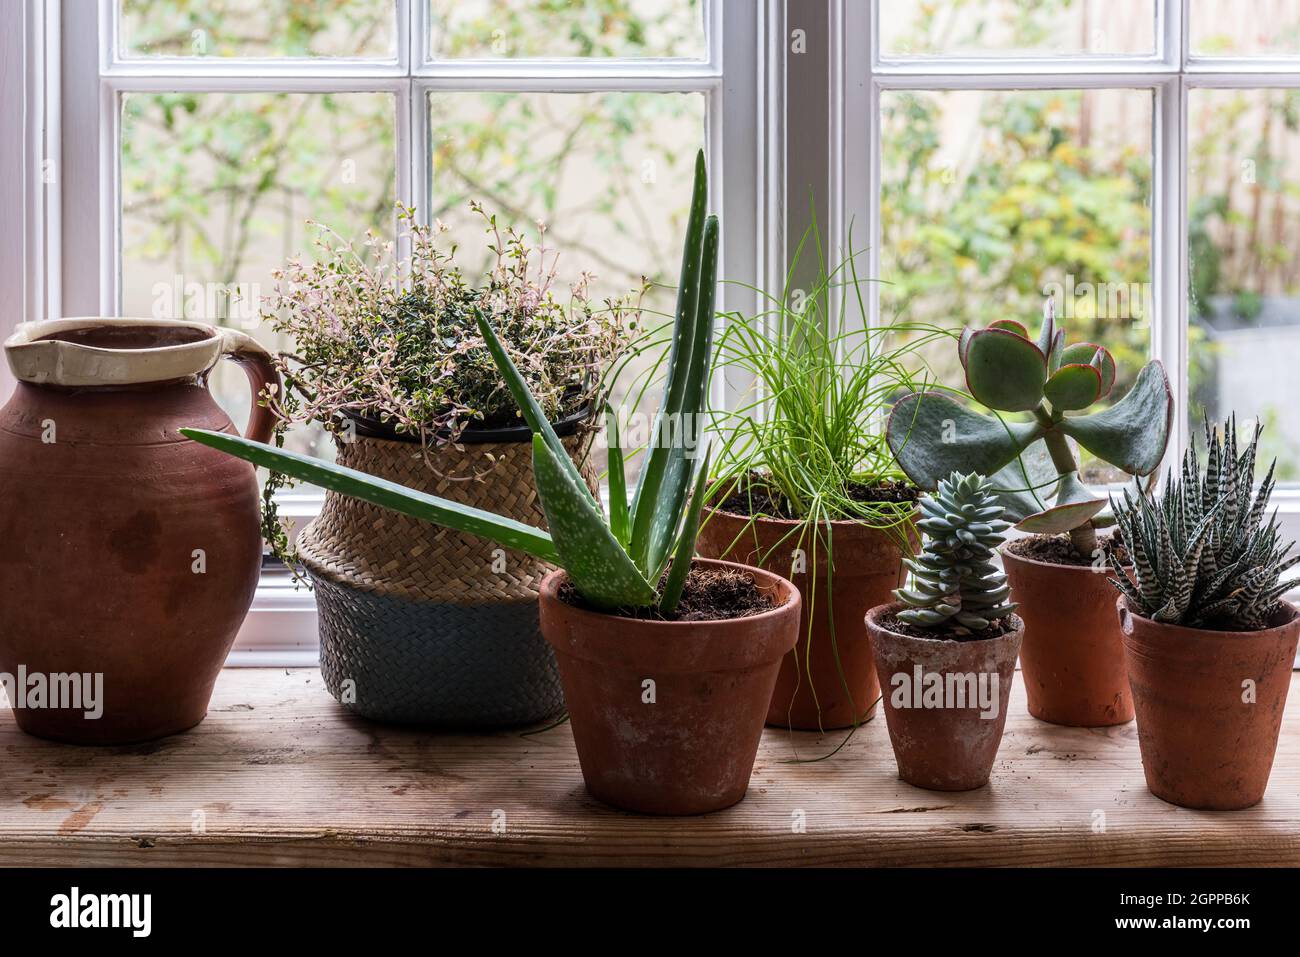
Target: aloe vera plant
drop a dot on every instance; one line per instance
(1206, 554)
(955, 586)
(1032, 463)
(641, 555)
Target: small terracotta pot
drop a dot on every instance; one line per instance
(1072, 660)
(1207, 737)
(829, 680)
(686, 743)
(949, 742)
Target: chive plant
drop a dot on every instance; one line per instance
(808, 432)
(640, 556)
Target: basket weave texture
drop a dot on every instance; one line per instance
(422, 624)
(363, 546)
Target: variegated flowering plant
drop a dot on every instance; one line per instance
(640, 556)
(1031, 459)
(393, 341)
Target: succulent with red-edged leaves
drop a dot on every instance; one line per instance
(1032, 462)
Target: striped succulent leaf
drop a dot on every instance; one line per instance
(955, 586)
(1203, 554)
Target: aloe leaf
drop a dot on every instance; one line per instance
(528, 405)
(666, 513)
(685, 549)
(684, 334)
(1132, 433)
(381, 492)
(618, 514)
(595, 562)
(932, 436)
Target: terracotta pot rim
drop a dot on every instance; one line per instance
(1123, 608)
(550, 591)
(845, 524)
(1068, 569)
(873, 621)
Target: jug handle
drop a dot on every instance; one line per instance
(262, 374)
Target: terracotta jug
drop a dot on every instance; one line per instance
(128, 554)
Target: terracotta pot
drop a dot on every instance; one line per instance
(1207, 737)
(691, 749)
(130, 551)
(949, 742)
(1072, 659)
(829, 680)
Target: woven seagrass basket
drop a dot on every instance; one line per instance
(424, 625)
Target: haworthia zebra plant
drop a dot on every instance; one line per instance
(612, 564)
(955, 585)
(1031, 463)
(1206, 555)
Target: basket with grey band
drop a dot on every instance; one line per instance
(423, 625)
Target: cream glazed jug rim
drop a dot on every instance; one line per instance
(35, 359)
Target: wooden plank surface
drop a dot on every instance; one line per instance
(279, 774)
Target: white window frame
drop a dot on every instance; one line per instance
(859, 78)
(67, 258)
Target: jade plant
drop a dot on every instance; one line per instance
(1032, 462)
(641, 555)
(1206, 555)
(956, 588)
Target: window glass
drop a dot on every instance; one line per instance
(257, 28)
(992, 201)
(506, 29)
(217, 191)
(1015, 27)
(1245, 27)
(1243, 193)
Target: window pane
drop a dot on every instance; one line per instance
(257, 28)
(608, 173)
(1243, 191)
(1245, 27)
(502, 29)
(1011, 27)
(217, 189)
(992, 200)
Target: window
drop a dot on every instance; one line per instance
(201, 140)
(1134, 159)
(1129, 156)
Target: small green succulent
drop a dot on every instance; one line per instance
(1032, 463)
(1204, 555)
(955, 584)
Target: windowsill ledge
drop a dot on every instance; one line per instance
(278, 774)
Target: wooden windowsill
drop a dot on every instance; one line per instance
(278, 774)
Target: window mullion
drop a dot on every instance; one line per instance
(1169, 252)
